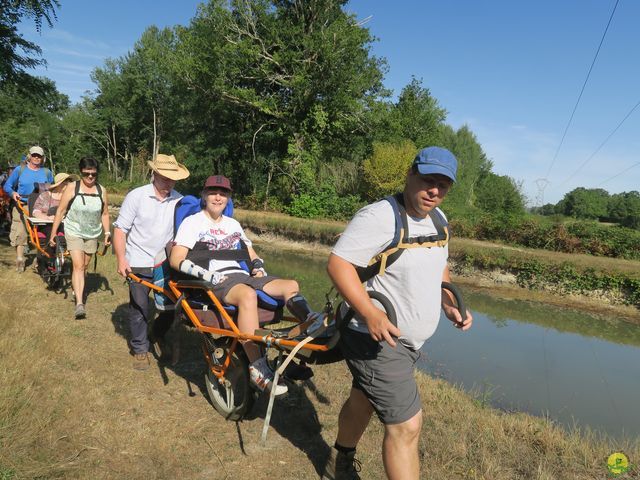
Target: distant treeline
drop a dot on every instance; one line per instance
(598, 204)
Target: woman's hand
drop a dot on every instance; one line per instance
(107, 239)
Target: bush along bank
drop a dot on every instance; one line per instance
(564, 278)
(586, 237)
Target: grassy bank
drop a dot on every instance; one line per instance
(72, 407)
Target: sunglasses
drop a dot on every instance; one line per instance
(90, 174)
(36, 155)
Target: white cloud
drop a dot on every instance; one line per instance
(75, 53)
(67, 37)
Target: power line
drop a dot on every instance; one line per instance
(601, 145)
(582, 90)
(618, 174)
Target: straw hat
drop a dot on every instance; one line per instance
(60, 178)
(168, 166)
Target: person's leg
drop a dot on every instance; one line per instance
(244, 297)
(18, 238)
(353, 419)
(400, 449)
(87, 261)
(20, 260)
(77, 276)
(138, 315)
(352, 422)
(282, 288)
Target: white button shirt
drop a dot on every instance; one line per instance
(148, 224)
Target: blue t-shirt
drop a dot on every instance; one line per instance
(24, 183)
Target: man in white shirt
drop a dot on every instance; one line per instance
(143, 228)
(380, 355)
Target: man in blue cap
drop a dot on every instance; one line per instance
(18, 186)
(380, 355)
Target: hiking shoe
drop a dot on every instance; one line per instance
(80, 311)
(262, 377)
(140, 361)
(296, 371)
(342, 466)
(20, 265)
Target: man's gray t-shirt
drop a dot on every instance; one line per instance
(412, 283)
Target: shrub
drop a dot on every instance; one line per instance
(324, 203)
(385, 170)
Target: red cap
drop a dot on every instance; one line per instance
(218, 181)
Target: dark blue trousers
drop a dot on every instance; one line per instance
(139, 311)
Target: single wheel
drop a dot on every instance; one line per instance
(233, 398)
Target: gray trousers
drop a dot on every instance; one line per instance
(139, 311)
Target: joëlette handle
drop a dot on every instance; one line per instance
(458, 296)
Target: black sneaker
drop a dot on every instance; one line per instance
(342, 466)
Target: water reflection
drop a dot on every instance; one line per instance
(577, 368)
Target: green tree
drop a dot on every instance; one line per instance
(16, 53)
(285, 83)
(385, 171)
(27, 119)
(473, 165)
(585, 203)
(499, 195)
(416, 116)
(624, 208)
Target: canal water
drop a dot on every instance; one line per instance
(575, 368)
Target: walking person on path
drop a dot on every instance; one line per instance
(143, 228)
(19, 186)
(84, 207)
(381, 356)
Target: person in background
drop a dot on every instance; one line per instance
(381, 356)
(84, 207)
(19, 186)
(46, 204)
(5, 202)
(142, 229)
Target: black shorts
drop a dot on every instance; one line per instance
(384, 374)
(257, 283)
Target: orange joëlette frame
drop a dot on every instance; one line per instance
(175, 292)
(31, 230)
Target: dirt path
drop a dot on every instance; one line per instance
(91, 415)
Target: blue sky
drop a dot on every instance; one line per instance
(512, 71)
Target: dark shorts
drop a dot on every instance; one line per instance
(384, 374)
(222, 289)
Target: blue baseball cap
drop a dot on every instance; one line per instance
(438, 160)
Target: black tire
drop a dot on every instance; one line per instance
(235, 398)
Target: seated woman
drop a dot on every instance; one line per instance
(221, 236)
(47, 202)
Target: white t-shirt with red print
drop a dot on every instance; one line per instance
(225, 234)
